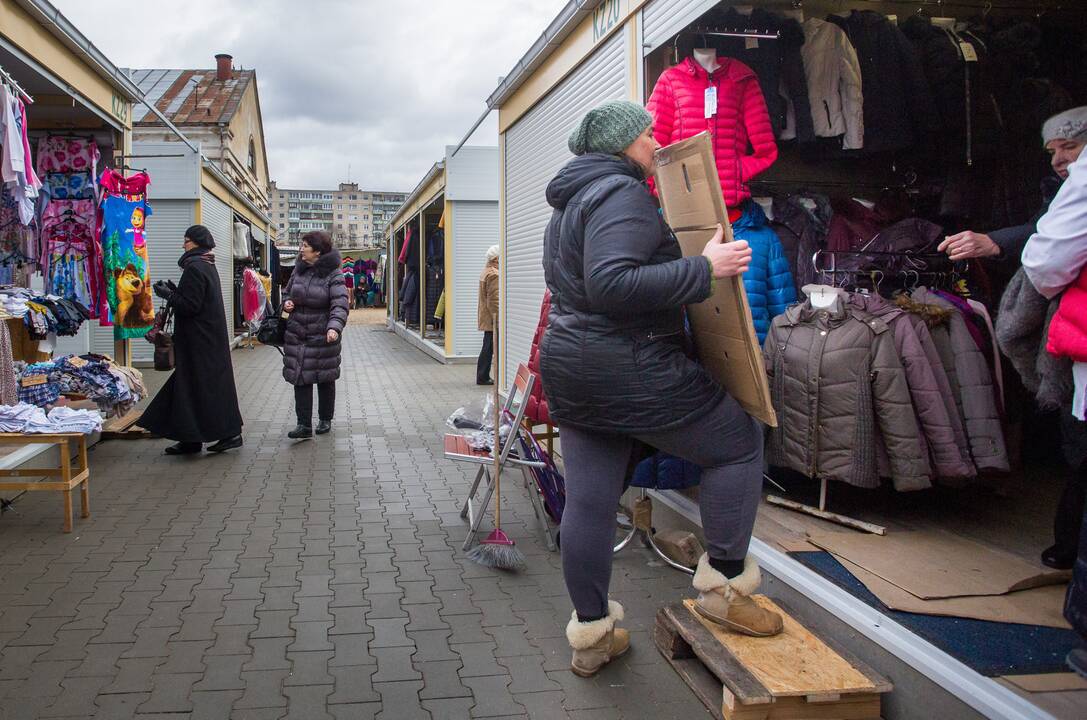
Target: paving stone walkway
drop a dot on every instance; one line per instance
(321, 579)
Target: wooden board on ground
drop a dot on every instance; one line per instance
(1048, 682)
(123, 427)
(1035, 606)
(793, 675)
(934, 563)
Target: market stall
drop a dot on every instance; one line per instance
(850, 139)
(73, 256)
(439, 238)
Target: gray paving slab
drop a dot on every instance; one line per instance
(319, 579)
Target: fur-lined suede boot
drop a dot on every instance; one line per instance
(598, 642)
(728, 602)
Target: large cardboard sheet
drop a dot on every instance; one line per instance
(1037, 606)
(932, 564)
(690, 193)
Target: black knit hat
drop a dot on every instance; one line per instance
(201, 236)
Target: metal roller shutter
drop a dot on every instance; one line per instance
(661, 19)
(475, 228)
(219, 218)
(535, 150)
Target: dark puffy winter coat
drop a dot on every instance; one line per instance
(777, 63)
(768, 282)
(835, 380)
(612, 358)
(801, 231)
(199, 402)
(320, 305)
(897, 100)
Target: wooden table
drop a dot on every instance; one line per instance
(67, 480)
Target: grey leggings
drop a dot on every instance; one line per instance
(727, 444)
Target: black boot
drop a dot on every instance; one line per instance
(226, 444)
(184, 448)
(301, 432)
(323, 426)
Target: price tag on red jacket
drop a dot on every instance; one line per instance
(711, 101)
(969, 54)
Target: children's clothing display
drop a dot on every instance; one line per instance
(124, 208)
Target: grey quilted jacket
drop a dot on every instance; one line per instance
(971, 384)
(836, 382)
(320, 305)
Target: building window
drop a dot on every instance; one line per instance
(340, 216)
(252, 156)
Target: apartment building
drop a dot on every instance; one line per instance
(355, 218)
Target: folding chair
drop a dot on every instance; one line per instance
(458, 449)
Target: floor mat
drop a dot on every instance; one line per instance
(989, 648)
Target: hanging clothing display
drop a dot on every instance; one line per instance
(768, 281)
(897, 100)
(124, 209)
(835, 93)
(16, 169)
(836, 380)
(241, 241)
(778, 65)
(729, 105)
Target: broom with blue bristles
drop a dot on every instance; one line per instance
(497, 550)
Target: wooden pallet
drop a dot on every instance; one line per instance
(123, 427)
(793, 676)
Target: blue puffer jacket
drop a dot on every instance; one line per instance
(768, 282)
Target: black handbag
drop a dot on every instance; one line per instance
(273, 330)
(162, 337)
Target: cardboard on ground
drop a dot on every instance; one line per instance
(690, 193)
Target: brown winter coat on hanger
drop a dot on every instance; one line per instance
(836, 381)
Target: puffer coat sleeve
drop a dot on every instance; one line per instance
(756, 119)
(622, 234)
(338, 302)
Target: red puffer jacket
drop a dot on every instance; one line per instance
(1068, 329)
(678, 109)
(537, 410)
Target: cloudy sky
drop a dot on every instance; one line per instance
(381, 85)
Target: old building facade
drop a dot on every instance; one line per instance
(355, 218)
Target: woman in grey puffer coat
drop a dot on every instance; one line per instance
(318, 307)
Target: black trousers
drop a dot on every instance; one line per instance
(486, 355)
(303, 402)
(1068, 521)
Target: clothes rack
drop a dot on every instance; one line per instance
(7, 78)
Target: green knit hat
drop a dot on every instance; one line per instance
(609, 128)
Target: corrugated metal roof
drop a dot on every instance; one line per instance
(190, 97)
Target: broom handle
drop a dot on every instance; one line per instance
(497, 434)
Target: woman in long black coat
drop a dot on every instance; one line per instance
(318, 307)
(199, 403)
